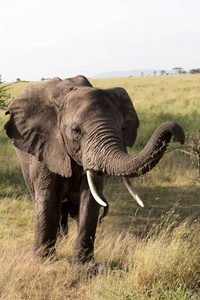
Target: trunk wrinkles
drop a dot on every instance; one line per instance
(103, 145)
(107, 153)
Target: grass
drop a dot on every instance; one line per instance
(150, 253)
(163, 265)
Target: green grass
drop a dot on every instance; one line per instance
(151, 252)
(159, 99)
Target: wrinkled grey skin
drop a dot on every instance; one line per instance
(62, 128)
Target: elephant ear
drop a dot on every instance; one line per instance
(33, 127)
(123, 103)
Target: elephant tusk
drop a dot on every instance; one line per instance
(93, 189)
(132, 191)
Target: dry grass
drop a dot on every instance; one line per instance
(130, 267)
(142, 253)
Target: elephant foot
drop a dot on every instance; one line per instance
(44, 253)
(88, 266)
(82, 257)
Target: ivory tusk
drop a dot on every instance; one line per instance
(132, 191)
(93, 189)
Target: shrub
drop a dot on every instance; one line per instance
(4, 96)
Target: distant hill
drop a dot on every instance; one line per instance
(134, 73)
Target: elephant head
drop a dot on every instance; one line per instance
(68, 120)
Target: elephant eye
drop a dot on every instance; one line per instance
(76, 132)
(123, 128)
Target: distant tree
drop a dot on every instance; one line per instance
(162, 72)
(192, 71)
(195, 71)
(178, 70)
(154, 73)
(46, 79)
(142, 74)
(18, 80)
(0, 79)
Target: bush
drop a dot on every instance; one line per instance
(4, 96)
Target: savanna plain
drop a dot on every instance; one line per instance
(142, 253)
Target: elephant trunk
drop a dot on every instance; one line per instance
(135, 165)
(111, 157)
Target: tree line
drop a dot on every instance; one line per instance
(180, 71)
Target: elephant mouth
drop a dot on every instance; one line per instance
(100, 201)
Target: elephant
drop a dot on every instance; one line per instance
(67, 135)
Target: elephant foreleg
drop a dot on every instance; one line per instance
(46, 208)
(87, 222)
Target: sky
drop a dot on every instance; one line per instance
(65, 38)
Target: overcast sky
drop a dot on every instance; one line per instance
(48, 38)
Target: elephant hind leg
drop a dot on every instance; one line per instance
(69, 206)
